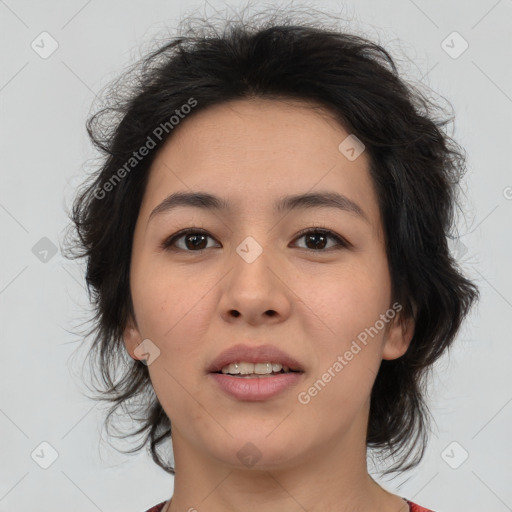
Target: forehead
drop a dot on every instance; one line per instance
(252, 152)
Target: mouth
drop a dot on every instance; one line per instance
(254, 387)
(255, 373)
(262, 370)
(255, 360)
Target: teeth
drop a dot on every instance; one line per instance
(254, 368)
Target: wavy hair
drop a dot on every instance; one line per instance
(415, 166)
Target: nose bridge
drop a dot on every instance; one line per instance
(254, 231)
(250, 250)
(251, 260)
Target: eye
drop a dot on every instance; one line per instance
(318, 237)
(195, 240)
(196, 237)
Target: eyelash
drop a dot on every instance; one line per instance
(340, 241)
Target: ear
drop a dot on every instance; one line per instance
(132, 338)
(399, 335)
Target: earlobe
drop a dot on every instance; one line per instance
(132, 338)
(398, 338)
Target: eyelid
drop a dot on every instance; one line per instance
(340, 240)
(167, 243)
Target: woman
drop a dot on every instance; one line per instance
(267, 239)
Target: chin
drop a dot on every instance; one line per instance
(258, 453)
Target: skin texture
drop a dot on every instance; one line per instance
(311, 304)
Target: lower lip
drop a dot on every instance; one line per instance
(256, 388)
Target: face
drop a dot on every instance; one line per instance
(250, 274)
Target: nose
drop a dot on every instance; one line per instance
(255, 291)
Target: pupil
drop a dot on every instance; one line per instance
(311, 237)
(194, 244)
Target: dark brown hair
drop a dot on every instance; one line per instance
(415, 166)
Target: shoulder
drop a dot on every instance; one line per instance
(157, 508)
(417, 508)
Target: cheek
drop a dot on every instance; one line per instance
(173, 310)
(347, 345)
(343, 302)
(162, 297)
(343, 318)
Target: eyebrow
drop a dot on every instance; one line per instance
(208, 201)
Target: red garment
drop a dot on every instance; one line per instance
(416, 508)
(412, 506)
(157, 508)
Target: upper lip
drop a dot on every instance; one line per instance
(253, 354)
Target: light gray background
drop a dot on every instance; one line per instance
(44, 104)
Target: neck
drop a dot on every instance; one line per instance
(330, 478)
